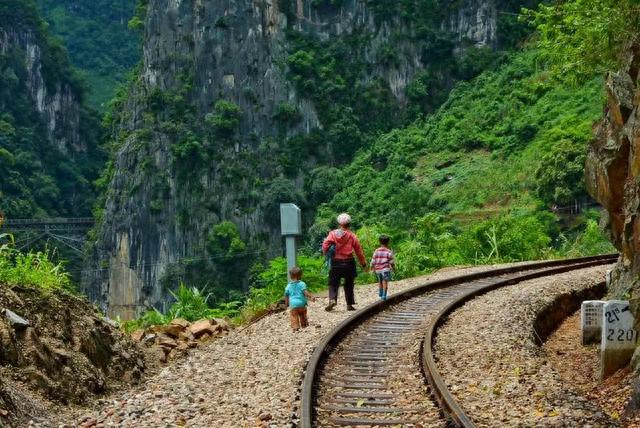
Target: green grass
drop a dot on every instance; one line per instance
(31, 269)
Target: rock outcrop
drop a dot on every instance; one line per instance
(57, 102)
(225, 117)
(57, 344)
(613, 171)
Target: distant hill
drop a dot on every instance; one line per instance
(49, 139)
(98, 39)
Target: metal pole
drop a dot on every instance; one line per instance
(291, 251)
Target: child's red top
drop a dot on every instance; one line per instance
(382, 260)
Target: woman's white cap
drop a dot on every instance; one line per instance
(344, 218)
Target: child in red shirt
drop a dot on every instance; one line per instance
(382, 263)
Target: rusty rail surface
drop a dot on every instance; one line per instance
(447, 403)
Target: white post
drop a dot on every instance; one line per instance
(618, 339)
(291, 226)
(591, 321)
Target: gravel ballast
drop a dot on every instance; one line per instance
(247, 379)
(488, 356)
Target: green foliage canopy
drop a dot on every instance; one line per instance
(582, 37)
(98, 39)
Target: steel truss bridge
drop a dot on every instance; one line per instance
(70, 232)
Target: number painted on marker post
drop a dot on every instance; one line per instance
(612, 316)
(621, 335)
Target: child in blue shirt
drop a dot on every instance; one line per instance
(295, 296)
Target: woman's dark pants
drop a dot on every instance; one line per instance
(342, 269)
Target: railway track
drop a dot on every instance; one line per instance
(370, 370)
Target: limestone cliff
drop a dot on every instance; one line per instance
(236, 107)
(48, 138)
(57, 102)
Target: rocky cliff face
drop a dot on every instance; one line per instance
(56, 102)
(48, 139)
(234, 104)
(613, 171)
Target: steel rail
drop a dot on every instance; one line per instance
(324, 348)
(445, 399)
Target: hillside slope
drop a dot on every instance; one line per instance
(478, 178)
(98, 39)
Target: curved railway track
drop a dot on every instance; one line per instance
(365, 371)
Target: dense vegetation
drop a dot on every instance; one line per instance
(475, 181)
(582, 37)
(31, 269)
(38, 179)
(465, 177)
(98, 39)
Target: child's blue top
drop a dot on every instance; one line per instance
(295, 293)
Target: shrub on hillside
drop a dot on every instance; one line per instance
(269, 284)
(31, 269)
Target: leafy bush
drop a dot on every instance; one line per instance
(32, 269)
(224, 241)
(190, 304)
(287, 114)
(506, 239)
(268, 285)
(592, 241)
(560, 176)
(225, 118)
(583, 37)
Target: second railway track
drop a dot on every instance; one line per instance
(369, 370)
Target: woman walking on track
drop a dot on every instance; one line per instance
(343, 243)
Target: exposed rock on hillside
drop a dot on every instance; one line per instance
(613, 169)
(234, 106)
(48, 138)
(171, 341)
(58, 103)
(67, 352)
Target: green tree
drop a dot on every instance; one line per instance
(225, 118)
(582, 37)
(560, 176)
(98, 39)
(224, 241)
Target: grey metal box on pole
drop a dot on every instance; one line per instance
(290, 226)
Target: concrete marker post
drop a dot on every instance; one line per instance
(290, 228)
(618, 339)
(591, 321)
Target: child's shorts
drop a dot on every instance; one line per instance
(298, 318)
(384, 276)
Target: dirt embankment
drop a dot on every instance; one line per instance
(56, 349)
